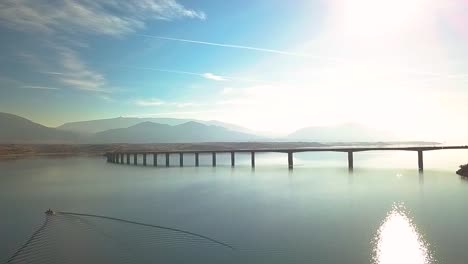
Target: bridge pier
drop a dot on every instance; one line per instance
(135, 159)
(290, 160)
(233, 159)
(252, 157)
(214, 159)
(167, 159)
(181, 159)
(420, 160)
(155, 159)
(197, 159)
(128, 158)
(350, 160)
(144, 159)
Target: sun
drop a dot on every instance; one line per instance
(377, 18)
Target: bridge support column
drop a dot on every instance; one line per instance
(181, 159)
(135, 159)
(112, 157)
(155, 159)
(167, 159)
(128, 158)
(350, 160)
(144, 159)
(420, 160)
(233, 159)
(290, 160)
(214, 159)
(197, 159)
(252, 159)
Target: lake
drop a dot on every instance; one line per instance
(384, 211)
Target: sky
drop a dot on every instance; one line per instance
(269, 65)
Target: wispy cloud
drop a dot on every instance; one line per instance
(214, 77)
(158, 102)
(208, 75)
(109, 17)
(62, 25)
(281, 52)
(39, 87)
(75, 73)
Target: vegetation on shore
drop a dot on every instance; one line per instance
(463, 171)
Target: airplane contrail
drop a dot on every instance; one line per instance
(303, 55)
(282, 52)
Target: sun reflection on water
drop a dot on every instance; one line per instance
(398, 241)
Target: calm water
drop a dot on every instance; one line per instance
(383, 212)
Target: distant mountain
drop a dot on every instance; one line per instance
(150, 132)
(100, 125)
(349, 132)
(16, 129)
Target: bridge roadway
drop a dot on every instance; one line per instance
(119, 156)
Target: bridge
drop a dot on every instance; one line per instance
(124, 157)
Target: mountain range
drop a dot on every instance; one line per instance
(95, 126)
(16, 129)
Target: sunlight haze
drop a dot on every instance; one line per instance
(396, 65)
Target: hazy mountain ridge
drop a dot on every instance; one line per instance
(148, 132)
(101, 125)
(16, 129)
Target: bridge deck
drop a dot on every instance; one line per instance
(118, 156)
(294, 150)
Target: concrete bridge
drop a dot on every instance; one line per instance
(124, 157)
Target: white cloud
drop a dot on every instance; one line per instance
(76, 74)
(62, 22)
(158, 102)
(150, 102)
(109, 17)
(214, 77)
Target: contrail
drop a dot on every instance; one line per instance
(282, 52)
(303, 55)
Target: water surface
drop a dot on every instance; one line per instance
(319, 212)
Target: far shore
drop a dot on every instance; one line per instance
(14, 151)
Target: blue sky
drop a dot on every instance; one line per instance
(267, 65)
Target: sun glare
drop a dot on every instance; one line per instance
(398, 241)
(381, 17)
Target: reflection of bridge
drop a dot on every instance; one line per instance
(124, 157)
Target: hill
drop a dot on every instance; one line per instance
(100, 125)
(16, 129)
(149, 132)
